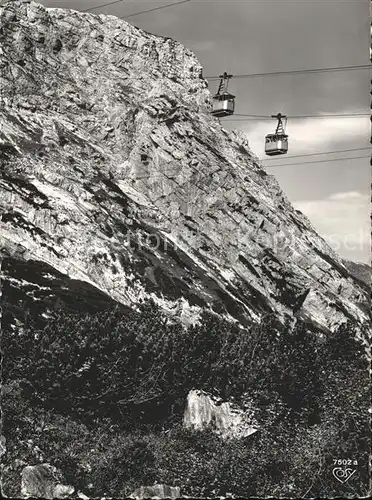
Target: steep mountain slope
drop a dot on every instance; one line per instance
(114, 173)
(360, 271)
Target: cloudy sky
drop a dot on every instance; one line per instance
(258, 36)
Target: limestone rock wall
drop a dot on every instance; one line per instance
(114, 173)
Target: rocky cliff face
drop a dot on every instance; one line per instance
(361, 272)
(115, 175)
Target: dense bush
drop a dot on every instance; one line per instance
(129, 367)
(102, 397)
(35, 435)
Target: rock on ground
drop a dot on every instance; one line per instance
(156, 491)
(202, 412)
(44, 481)
(2, 446)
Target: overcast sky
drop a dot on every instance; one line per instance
(256, 36)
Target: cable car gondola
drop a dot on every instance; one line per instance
(277, 144)
(223, 102)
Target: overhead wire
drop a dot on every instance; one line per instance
(102, 5)
(253, 75)
(248, 117)
(171, 176)
(249, 75)
(297, 71)
(277, 73)
(137, 13)
(174, 4)
(317, 161)
(322, 153)
(242, 117)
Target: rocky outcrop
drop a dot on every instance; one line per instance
(156, 491)
(2, 445)
(205, 412)
(114, 174)
(362, 272)
(44, 481)
(38, 287)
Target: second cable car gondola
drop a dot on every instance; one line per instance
(223, 101)
(277, 143)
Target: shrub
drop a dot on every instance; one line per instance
(102, 388)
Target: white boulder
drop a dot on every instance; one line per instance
(203, 411)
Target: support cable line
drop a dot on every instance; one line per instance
(251, 75)
(102, 5)
(298, 71)
(267, 117)
(317, 161)
(171, 175)
(323, 153)
(224, 103)
(137, 13)
(155, 8)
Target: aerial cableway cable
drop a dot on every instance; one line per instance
(252, 75)
(174, 4)
(323, 153)
(317, 161)
(246, 117)
(298, 71)
(102, 5)
(249, 75)
(171, 176)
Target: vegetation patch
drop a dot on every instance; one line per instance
(102, 396)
